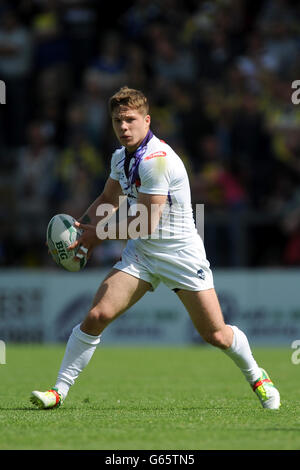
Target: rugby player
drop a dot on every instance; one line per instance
(148, 172)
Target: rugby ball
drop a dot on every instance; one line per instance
(61, 233)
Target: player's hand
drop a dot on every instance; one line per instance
(86, 242)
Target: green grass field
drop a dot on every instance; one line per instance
(148, 398)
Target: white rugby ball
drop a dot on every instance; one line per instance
(61, 233)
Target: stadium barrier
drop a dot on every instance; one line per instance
(44, 306)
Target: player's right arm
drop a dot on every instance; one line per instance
(109, 196)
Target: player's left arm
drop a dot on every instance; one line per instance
(150, 206)
(154, 172)
(153, 206)
(155, 179)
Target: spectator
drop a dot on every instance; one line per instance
(255, 62)
(79, 168)
(251, 147)
(34, 179)
(15, 69)
(52, 55)
(138, 70)
(173, 62)
(80, 23)
(110, 63)
(290, 224)
(94, 106)
(219, 188)
(138, 17)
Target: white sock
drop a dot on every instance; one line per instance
(241, 354)
(79, 350)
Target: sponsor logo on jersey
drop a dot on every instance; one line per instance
(155, 154)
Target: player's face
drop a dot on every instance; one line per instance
(130, 126)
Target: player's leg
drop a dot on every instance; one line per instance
(206, 314)
(118, 292)
(207, 317)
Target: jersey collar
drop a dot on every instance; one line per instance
(141, 148)
(138, 155)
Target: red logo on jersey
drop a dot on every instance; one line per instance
(156, 154)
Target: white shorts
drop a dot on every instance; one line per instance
(186, 269)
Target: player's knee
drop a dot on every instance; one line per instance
(217, 339)
(100, 315)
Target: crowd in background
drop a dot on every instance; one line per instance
(218, 75)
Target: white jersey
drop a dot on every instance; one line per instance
(159, 170)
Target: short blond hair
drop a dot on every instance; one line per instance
(131, 98)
